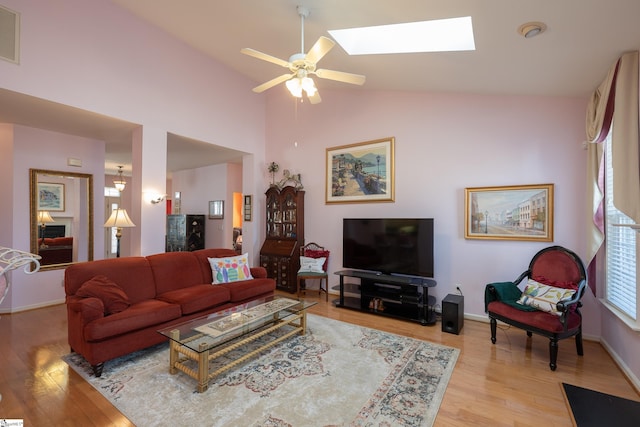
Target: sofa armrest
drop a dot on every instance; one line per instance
(89, 309)
(259, 272)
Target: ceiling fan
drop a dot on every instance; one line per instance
(302, 66)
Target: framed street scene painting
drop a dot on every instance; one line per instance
(521, 212)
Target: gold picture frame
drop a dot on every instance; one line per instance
(361, 172)
(519, 212)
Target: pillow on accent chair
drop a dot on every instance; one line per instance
(311, 265)
(230, 269)
(112, 296)
(544, 297)
(317, 253)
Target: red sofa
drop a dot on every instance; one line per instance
(158, 290)
(57, 250)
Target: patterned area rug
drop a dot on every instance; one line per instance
(337, 375)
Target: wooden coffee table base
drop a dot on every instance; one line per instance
(179, 354)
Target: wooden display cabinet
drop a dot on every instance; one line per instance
(280, 252)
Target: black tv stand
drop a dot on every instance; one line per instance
(388, 295)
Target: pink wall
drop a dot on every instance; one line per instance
(40, 149)
(445, 143)
(98, 57)
(198, 187)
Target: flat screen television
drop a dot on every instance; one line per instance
(402, 246)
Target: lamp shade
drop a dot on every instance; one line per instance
(119, 218)
(44, 217)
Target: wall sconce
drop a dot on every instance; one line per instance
(157, 198)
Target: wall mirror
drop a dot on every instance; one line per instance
(61, 205)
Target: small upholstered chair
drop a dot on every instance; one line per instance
(547, 304)
(313, 265)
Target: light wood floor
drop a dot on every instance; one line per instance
(507, 384)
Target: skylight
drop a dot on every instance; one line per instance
(442, 35)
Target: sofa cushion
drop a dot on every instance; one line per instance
(197, 298)
(138, 316)
(112, 296)
(248, 289)
(230, 269)
(544, 297)
(175, 270)
(132, 274)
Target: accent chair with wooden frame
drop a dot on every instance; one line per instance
(549, 305)
(319, 272)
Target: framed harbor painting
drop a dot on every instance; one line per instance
(361, 172)
(50, 197)
(521, 212)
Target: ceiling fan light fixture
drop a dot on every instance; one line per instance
(301, 65)
(295, 87)
(531, 29)
(309, 86)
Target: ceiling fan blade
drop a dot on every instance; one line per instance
(265, 57)
(322, 46)
(355, 79)
(273, 82)
(315, 99)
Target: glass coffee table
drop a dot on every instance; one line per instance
(193, 344)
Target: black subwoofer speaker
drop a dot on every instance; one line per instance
(452, 313)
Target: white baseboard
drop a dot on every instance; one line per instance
(31, 307)
(621, 364)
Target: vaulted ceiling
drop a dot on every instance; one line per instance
(582, 40)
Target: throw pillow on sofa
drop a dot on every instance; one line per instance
(544, 297)
(230, 269)
(113, 297)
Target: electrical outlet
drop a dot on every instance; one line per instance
(458, 288)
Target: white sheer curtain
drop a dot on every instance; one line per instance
(615, 100)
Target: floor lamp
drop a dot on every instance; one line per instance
(119, 219)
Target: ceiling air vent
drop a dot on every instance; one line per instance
(9, 35)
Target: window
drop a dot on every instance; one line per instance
(621, 284)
